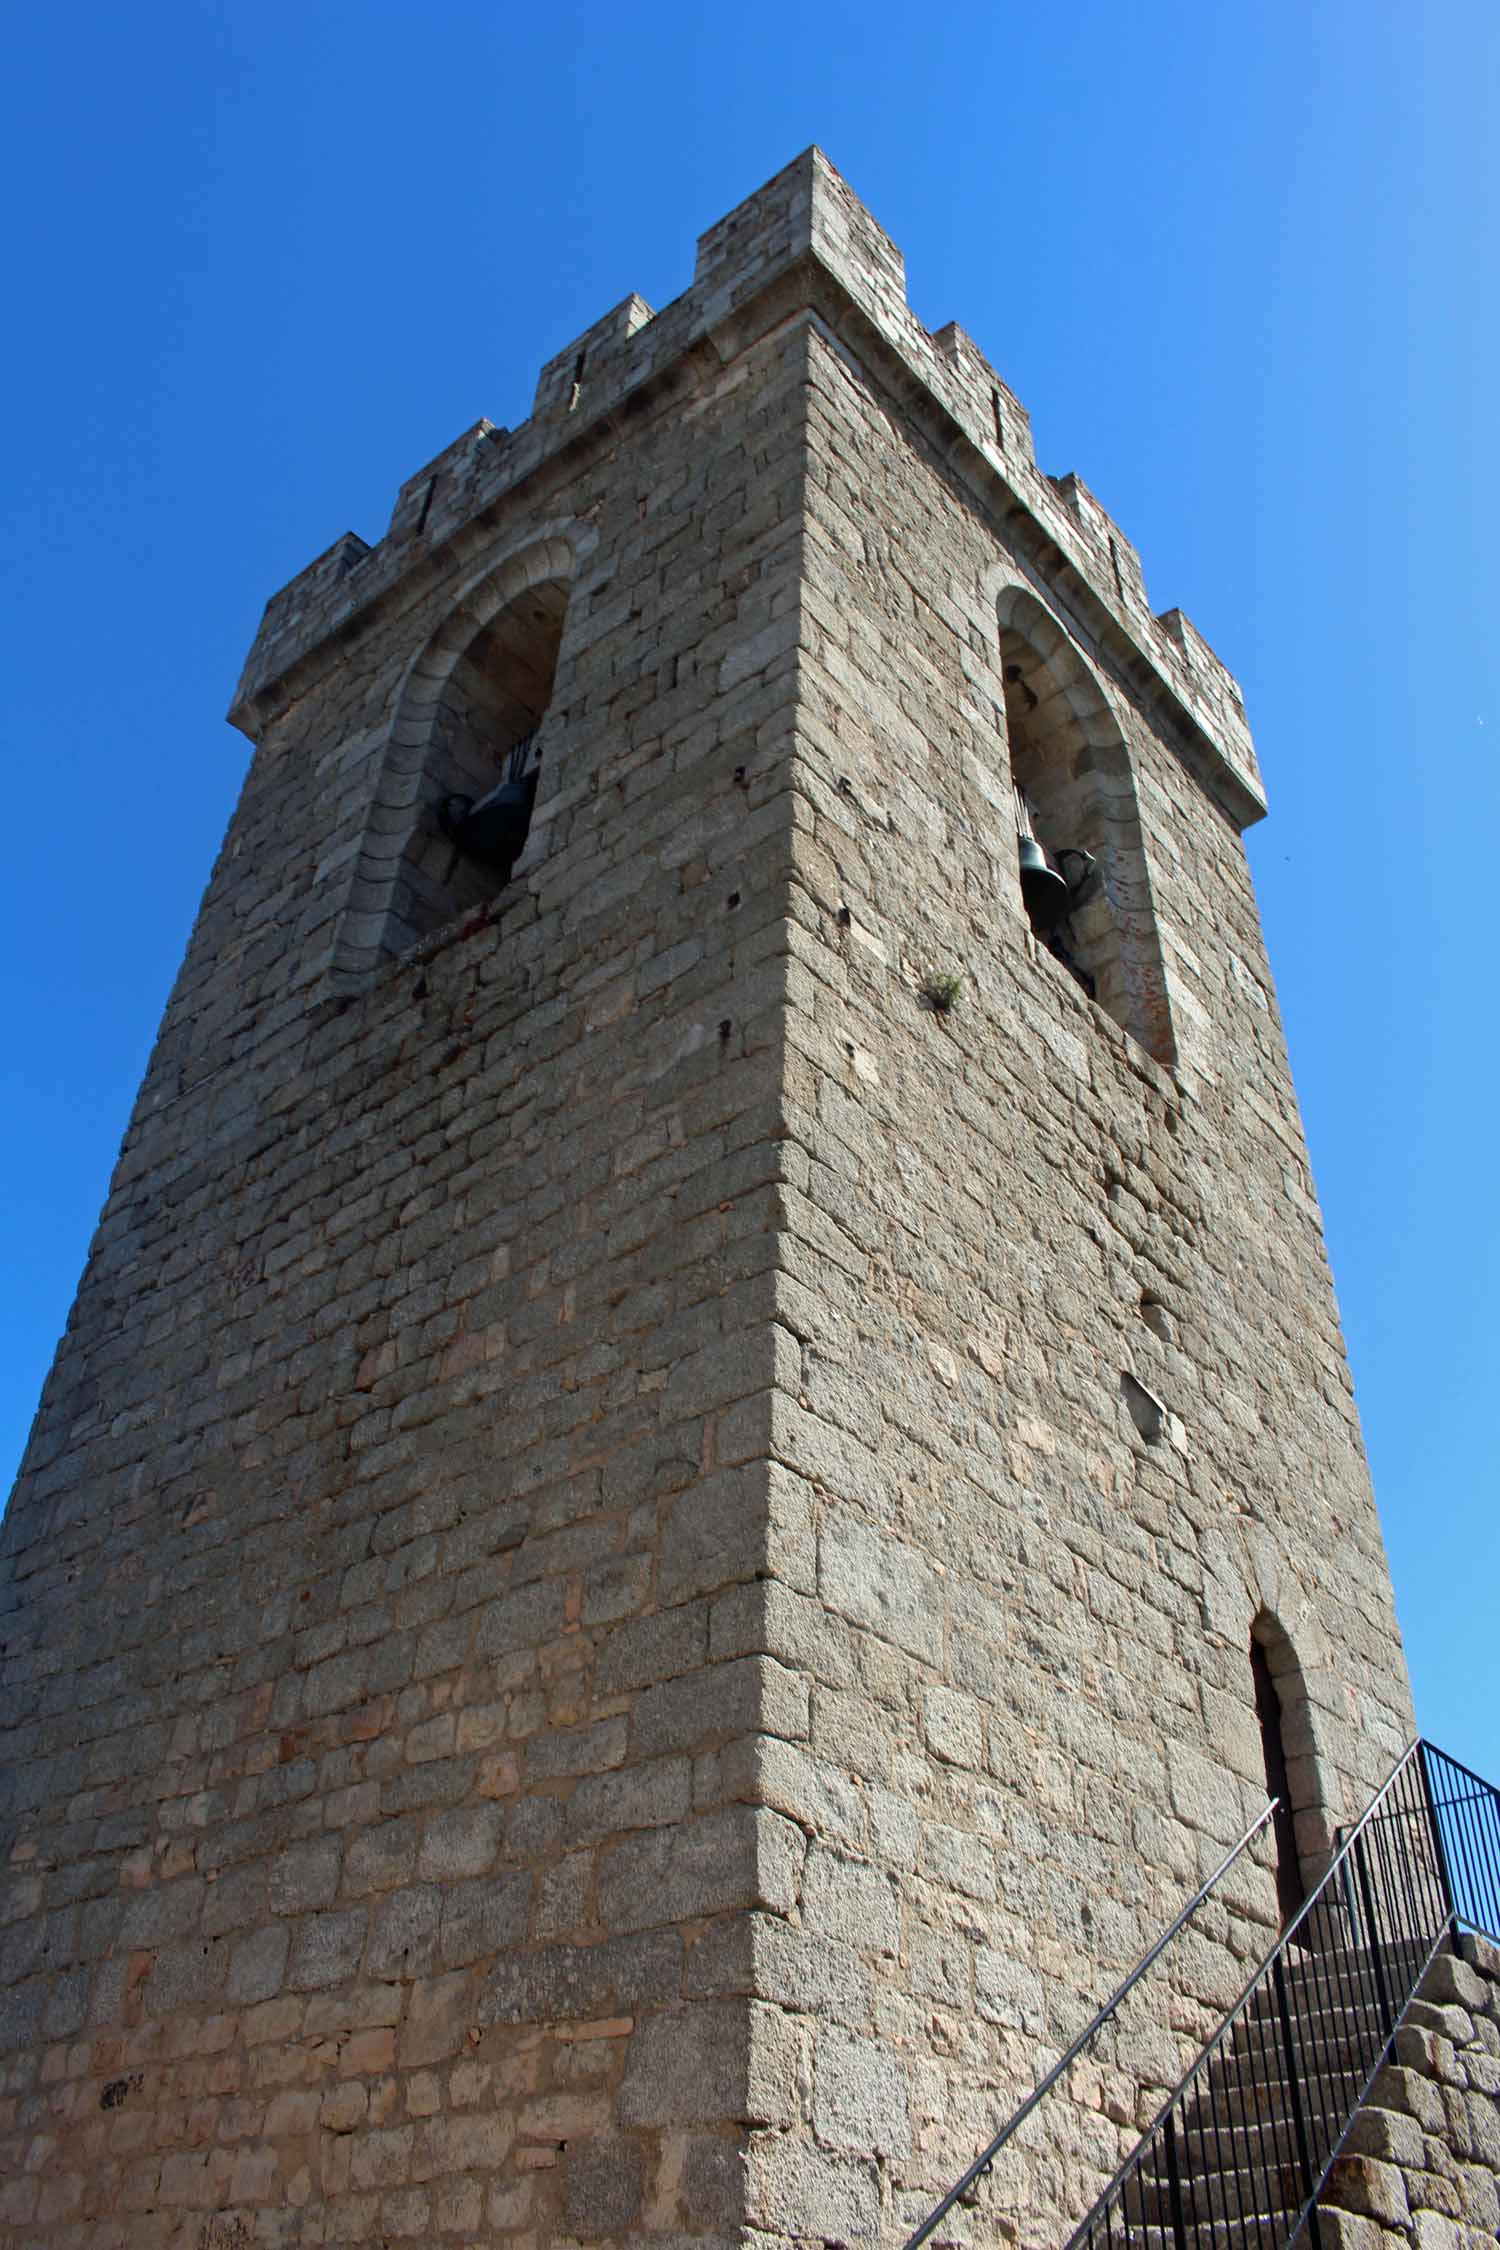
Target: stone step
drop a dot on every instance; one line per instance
(1240, 2077)
(1262, 2230)
(1316, 2027)
(1264, 2129)
(1241, 2088)
(1241, 2177)
(1201, 2149)
(1228, 2195)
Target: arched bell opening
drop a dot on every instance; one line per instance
(1080, 854)
(1281, 1711)
(1060, 886)
(480, 775)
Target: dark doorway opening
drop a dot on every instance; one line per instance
(1291, 1893)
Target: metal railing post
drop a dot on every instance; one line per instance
(1174, 2184)
(1367, 1903)
(1439, 1844)
(1294, 2097)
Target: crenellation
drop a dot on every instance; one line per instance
(850, 241)
(591, 366)
(298, 616)
(440, 489)
(806, 211)
(993, 417)
(1112, 552)
(1215, 682)
(763, 232)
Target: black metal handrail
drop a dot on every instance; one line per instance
(1241, 2149)
(1090, 2031)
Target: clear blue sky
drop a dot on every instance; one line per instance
(1239, 261)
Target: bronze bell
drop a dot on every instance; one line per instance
(494, 829)
(1046, 896)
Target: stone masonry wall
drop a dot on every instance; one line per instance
(365, 1784)
(1421, 2163)
(1026, 1630)
(593, 1650)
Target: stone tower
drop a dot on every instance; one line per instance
(703, 1452)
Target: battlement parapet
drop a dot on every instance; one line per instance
(305, 611)
(560, 385)
(803, 241)
(441, 493)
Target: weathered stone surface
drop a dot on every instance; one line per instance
(1422, 2159)
(859, 2096)
(566, 1982)
(605, 2185)
(688, 2066)
(739, 1857)
(796, 2190)
(1373, 2190)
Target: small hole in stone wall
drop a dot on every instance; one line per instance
(1147, 1413)
(845, 917)
(732, 901)
(741, 777)
(726, 1027)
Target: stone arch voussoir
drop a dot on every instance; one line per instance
(1018, 609)
(1251, 1589)
(552, 554)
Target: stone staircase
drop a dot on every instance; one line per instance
(1419, 2156)
(1351, 2099)
(1419, 2168)
(1242, 2179)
